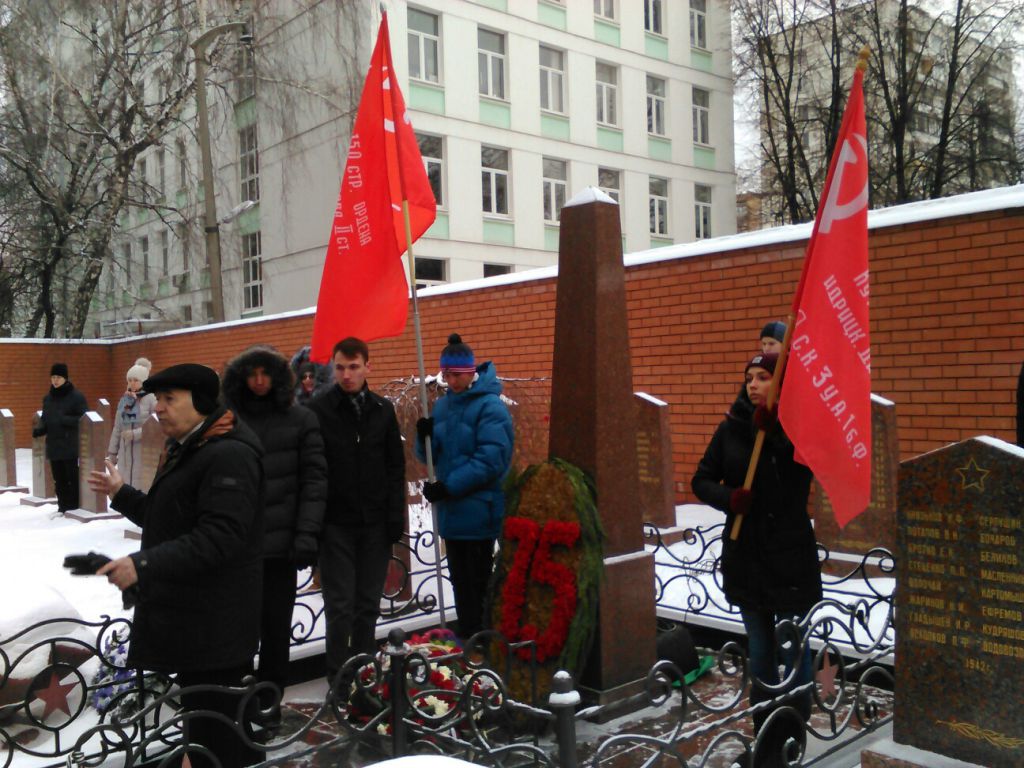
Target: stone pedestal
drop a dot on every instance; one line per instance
(92, 450)
(654, 461)
(889, 754)
(8, 460)
(104, 410)
(42, 477)
(593, 425)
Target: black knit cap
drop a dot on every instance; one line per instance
(766, 360)
(201, 381)
(776, 329)
(457, 357)
(59, 369)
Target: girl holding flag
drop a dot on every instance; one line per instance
(771, 571)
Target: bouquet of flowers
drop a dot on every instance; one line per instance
(434, 692)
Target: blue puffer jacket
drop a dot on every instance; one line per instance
(472, 447)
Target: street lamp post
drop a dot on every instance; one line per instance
(211, 225)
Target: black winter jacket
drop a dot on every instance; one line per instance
(294, 466)
(774, 564)
(63, 407)
(200, 570)
(365, 460)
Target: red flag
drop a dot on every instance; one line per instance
(825, 406)
(363, 291)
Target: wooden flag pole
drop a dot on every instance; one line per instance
(755, 455)
(424, 406)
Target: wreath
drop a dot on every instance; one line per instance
(547, 578)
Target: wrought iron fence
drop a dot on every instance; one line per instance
(67, 696)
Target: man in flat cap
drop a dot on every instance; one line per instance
(199, 570)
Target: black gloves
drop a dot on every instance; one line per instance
(425, 427)
(765, 418)
(85, 565)
(304, 551)
(435, 491)
(741, 501)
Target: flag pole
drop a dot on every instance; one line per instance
(424, 406)
(755, 455)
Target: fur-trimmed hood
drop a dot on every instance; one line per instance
(236, 391)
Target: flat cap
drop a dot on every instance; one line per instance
(201, 381)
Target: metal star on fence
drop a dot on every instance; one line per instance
(55, 696)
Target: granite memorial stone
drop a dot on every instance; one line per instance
(92, 451)
(654, 461)
(8, 458)
(42, 477)
(151, 449)
(875, 526)
(960, 603)
(593, 426)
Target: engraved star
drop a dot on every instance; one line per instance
(827, 677)
(55, 695)
(972, 476)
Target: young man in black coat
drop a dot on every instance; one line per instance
(63, 407)
(258, 388)
(199, 570)
(365, 502)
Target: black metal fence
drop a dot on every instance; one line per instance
(68, 698)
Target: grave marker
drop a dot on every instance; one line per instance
(875, 526)
(593, 425)
(8, 458)
(654, 460)
(960, 603)
(42, 476)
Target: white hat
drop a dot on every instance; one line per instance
(140, 370)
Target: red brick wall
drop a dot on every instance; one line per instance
(947, 325)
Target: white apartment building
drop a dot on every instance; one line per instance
(518, 104)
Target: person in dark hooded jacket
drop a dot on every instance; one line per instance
(198, 572)
(771, 572)
(257, 386)
(471, 440)
(63, 407)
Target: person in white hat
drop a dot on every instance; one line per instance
(134, 407)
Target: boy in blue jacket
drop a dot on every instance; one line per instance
(471, 441)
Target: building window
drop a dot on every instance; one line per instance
(605, 9)
(494, 169)
(424, 46)
(144, 248)
(652, 16)
(245, 81)
(249, 163)
(552, 79)
(493, 270)
(430, 271)
(607, 94)
(554, 189)
(702, 210)
(655, 105)
(165, 252)
(161, 173)
(610, 182)
(142, 176)
(432, 150)
(701, 116)
(699, 23)
(180, 151)
(182, 234)
(252, 272)
(491, 63)
(126, 258)
(657, 198)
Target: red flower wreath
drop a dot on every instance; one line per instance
(533, 557)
